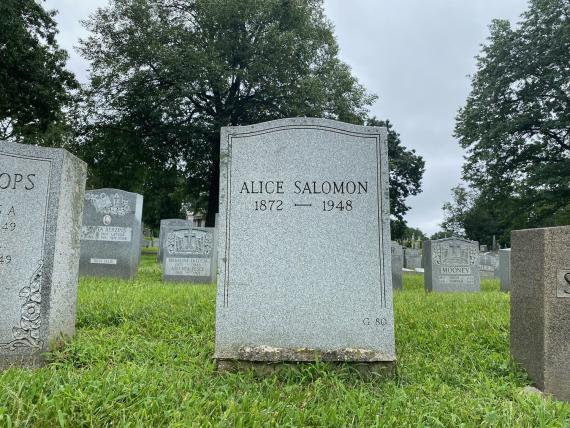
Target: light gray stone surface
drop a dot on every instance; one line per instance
(505, 269)
(111, 233)
(190, 253)
(540, 307)
(488, 265)
(41, 200)
(301, 277)
(412, 258)
(451, 264)
(163, 223)
(397, 265)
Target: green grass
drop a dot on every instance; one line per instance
(142, 356)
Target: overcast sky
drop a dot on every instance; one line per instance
(415, 54)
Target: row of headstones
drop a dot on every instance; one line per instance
(304, 253)
(111, 240)
(452, 264)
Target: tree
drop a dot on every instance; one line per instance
(406, 172)
(34, 83)
(167, 74)
(515, 125)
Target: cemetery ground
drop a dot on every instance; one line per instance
(142, 356)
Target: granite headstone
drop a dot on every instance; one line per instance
(189, 253)
(397, 265)
(505, 268)
(451, 264)
(488, 265)
(540, 307)
(111, 233)
(41, 200)
(304, 245)
(412, 258)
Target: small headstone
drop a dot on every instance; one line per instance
(111, 233)
(412, 258)
(189, 253)
(163, 223)
(505, 269)
(397, 265)
(41, 200)
(483, 248)
(488, 265)
(540, 307)
(304, 244)
(452, 264)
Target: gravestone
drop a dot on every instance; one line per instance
(189, 253)
(163, 223)
(111, 233)
(412, 258)
(483, 248)
(397, 265)
(41, 200)
(505, 268)
(488, 265)
(451, 264)
(540, 307)
(304, 245)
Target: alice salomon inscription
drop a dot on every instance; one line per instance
(41, 198)
(304, 243)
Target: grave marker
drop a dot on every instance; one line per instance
(412, 258)
(304, 245)
(397, 265)
(111, 234)
(505, 269)
(452, 264)
(540, 306)
(41, 200)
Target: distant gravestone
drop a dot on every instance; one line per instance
(488, 265)
(189, 253)
(163, 223)
(397, 265)
(452, 264)
(304, 245)
(540, 307)
(111, 234)
(505, 269)
(41, 200)
(412, 258)
(483, 248)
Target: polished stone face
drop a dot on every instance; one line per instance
(41, 198)
(304, 243)
(111, 233)
(189, 253)
(540, 307)
(163, 224)
(452, 264)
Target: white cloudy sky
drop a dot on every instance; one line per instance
(415, 54)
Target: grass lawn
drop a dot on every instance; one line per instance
(143, 351)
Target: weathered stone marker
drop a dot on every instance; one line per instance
(505, 269)
(488, 265)
(412, 258)
(111, 233)
(41, 200)
(451, 264)
(540, 306)
(397, 265)
(190, 253)
(163, 224)
(304, 245)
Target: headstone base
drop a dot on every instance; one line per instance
(266, 360)
(266, 368)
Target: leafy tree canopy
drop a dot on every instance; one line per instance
(515, 125)
(34, 84)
